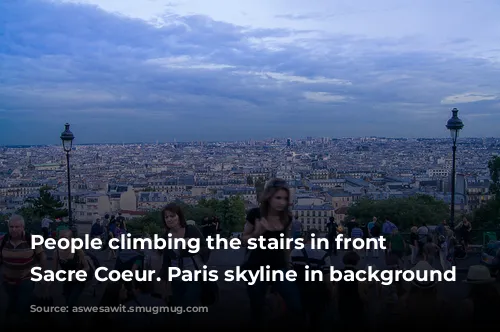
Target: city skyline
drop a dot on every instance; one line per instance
(281, 140)
(157, 70)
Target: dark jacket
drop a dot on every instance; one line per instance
(169, 254)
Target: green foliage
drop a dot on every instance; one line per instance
(404, 212)
(494, 167)
(196, 212)
(259, 186)
(45, 205)
(148, 224)
(27, 212)
(230, 211)
(488, 215)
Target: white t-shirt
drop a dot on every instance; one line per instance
(46, 222)
(422, 234)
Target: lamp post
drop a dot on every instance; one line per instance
(454, 125)
(67, 142)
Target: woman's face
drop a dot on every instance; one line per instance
(171, 220)
(279, 201)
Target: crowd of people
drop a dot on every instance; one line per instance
(443, 242)
(318, 305)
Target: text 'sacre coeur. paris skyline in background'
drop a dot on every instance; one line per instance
(139, 71)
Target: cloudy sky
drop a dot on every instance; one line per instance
(147, 70)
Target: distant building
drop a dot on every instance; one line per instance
(313, 216)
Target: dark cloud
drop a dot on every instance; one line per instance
(196, 78)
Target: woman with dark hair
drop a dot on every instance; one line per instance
(184, 293)
(271, 220)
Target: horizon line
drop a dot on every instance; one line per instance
(239, 141)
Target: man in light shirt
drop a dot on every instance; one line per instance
(370, 225)
(357, 233)
(46, 221)
(422, 232)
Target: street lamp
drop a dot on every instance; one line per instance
(454, 125)
(67, 142)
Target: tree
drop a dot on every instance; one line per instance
(230, 211)
(494, 167)
(150, 224)
(27, 212)
(250, 180)
(45, 205)
(488, 215)
(259, 186)
(234, 214)
(404, 212)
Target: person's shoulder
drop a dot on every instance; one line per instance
(252, 215)
(192, 230)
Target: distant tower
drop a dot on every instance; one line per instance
(288, 142)
(28, 154)
(222, 174)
